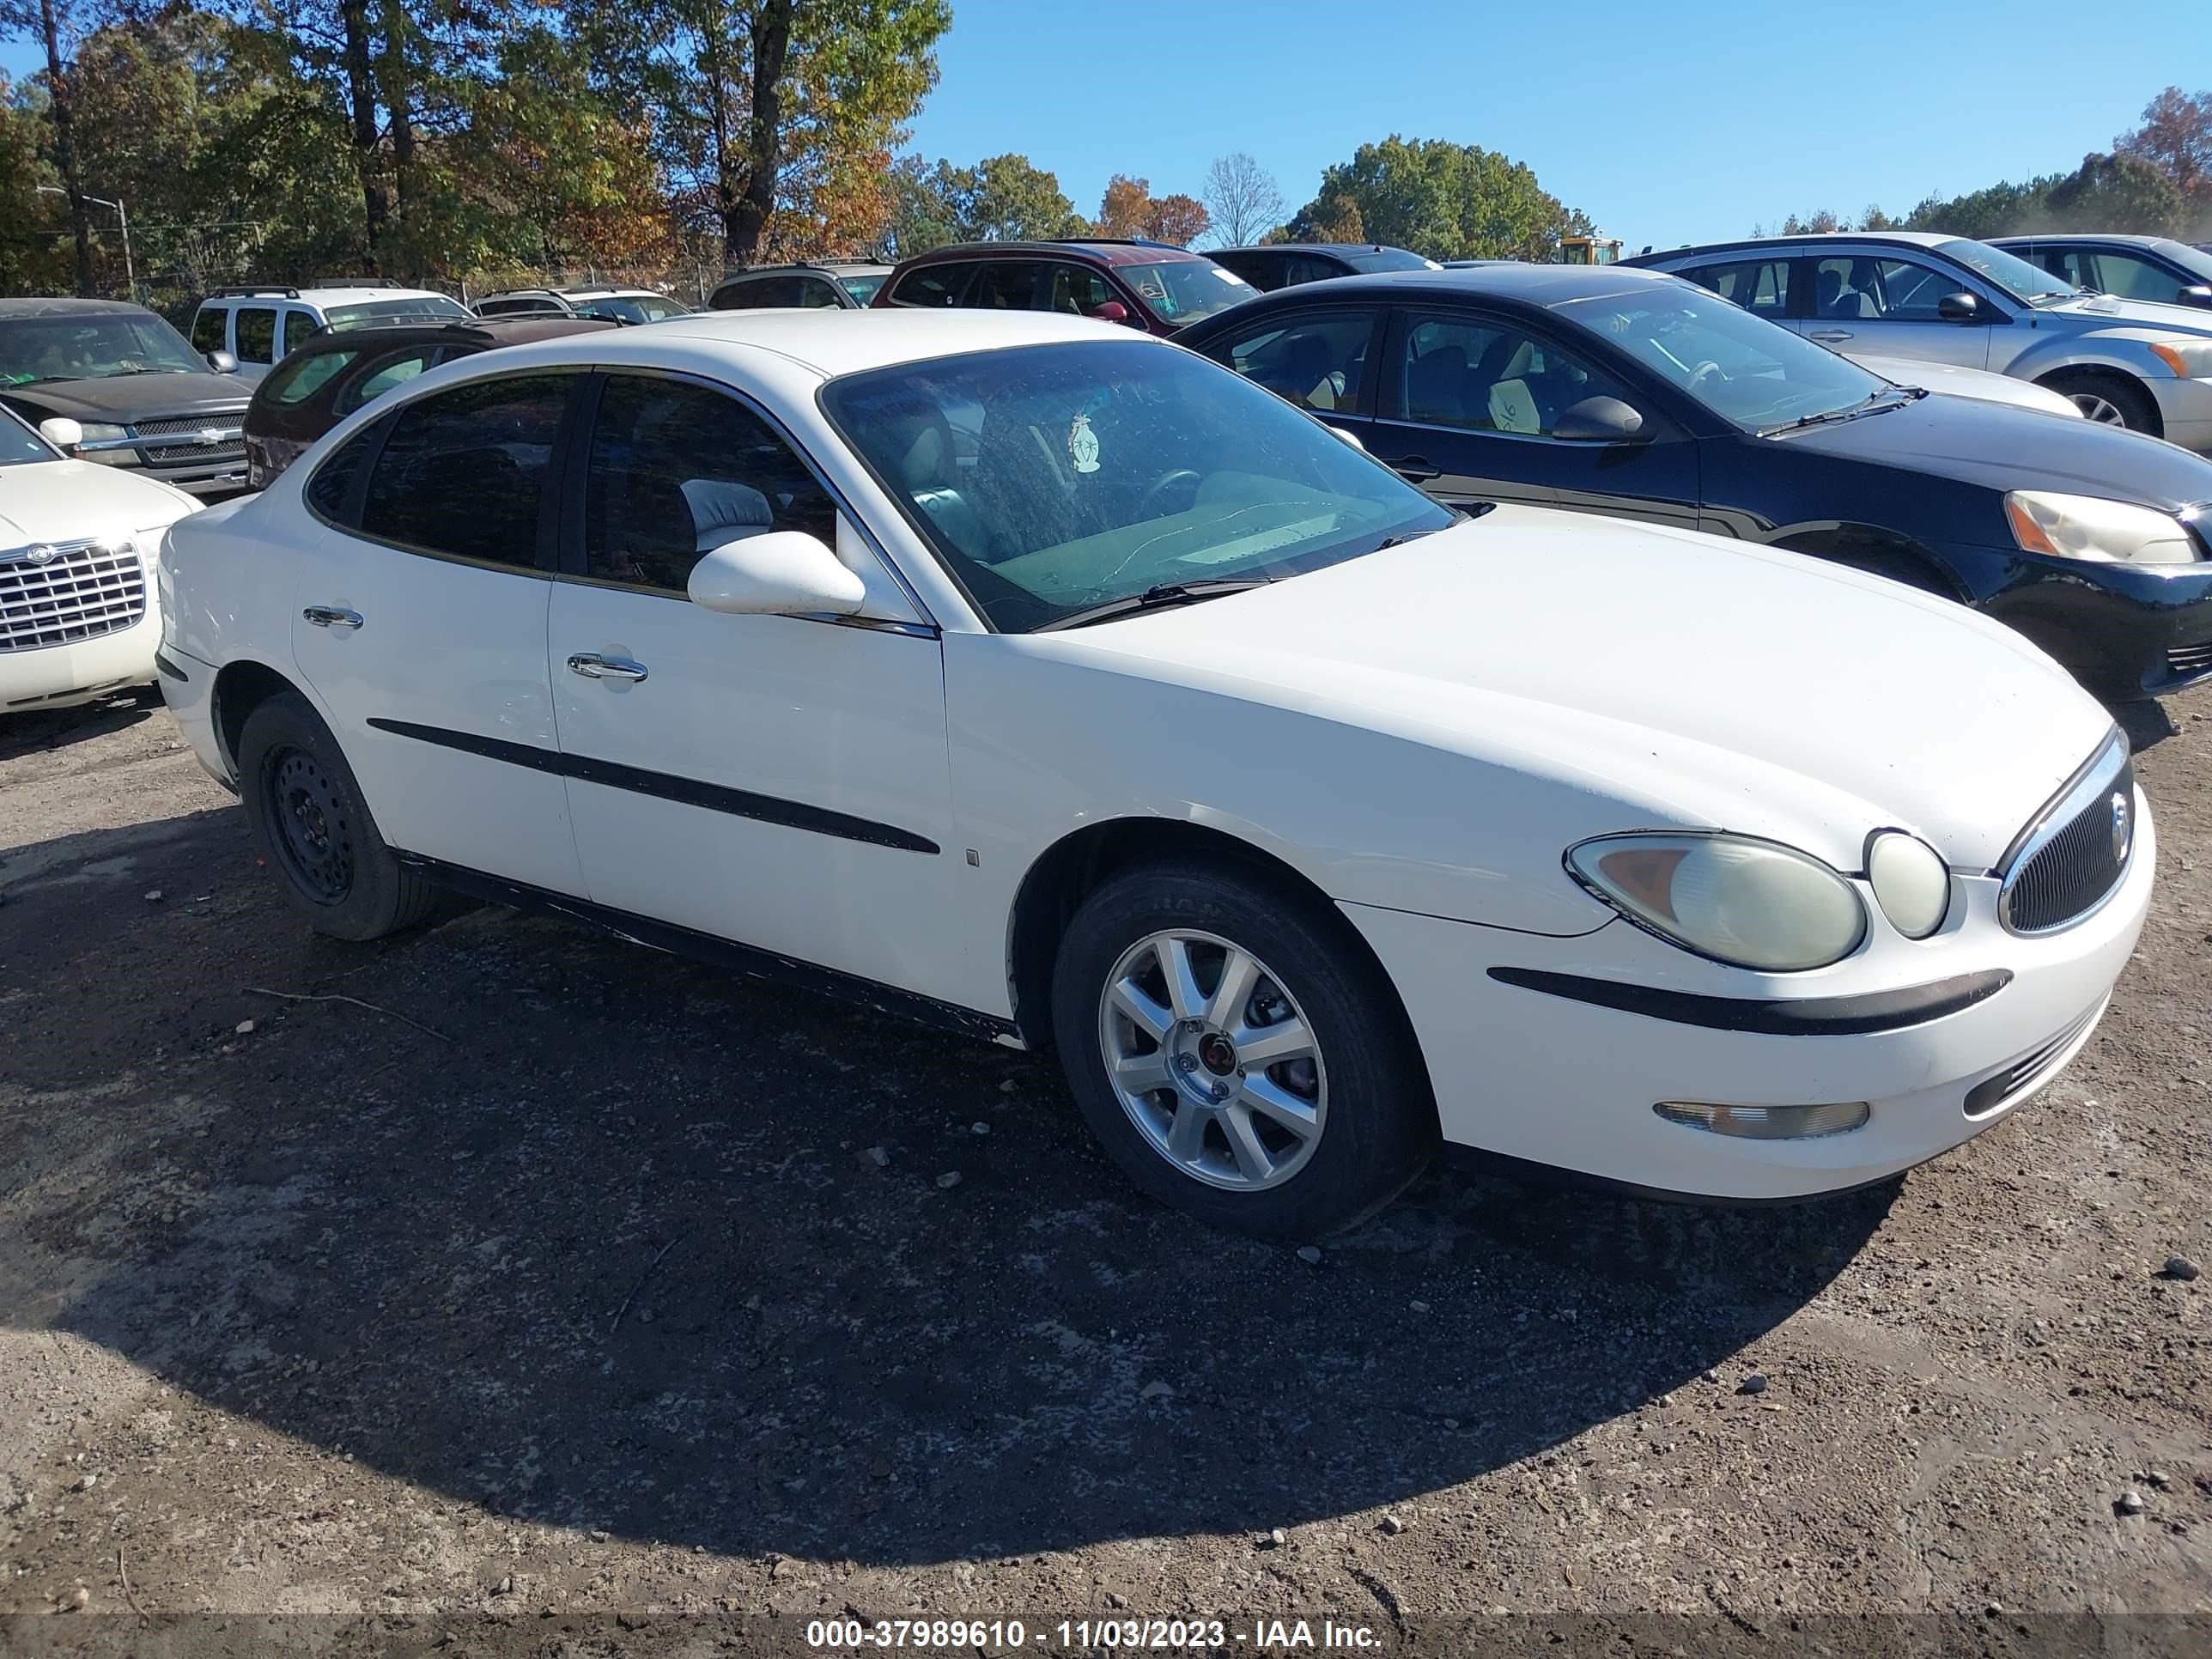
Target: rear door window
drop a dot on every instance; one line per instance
(257, 334)
(1007, 285)
(462, 474)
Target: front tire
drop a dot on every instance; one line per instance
(2108, 399)
(312, 828)
(1237, 1053)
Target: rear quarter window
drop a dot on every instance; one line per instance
(932, 285)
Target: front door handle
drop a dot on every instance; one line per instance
(1830, 335)
(595, 667)
(332, 615)
(1415, 469)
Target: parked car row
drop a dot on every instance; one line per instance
(1063, 687)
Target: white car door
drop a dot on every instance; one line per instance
(780, 782)
(419, 622)
(1886, 305)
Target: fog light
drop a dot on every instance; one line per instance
(1909, 881)
(1767, 1122)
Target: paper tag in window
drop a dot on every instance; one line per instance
(1083, 445)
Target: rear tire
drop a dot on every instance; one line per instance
(2107, 398)
(314, 830)
(1273, 1086)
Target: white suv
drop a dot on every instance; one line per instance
(259, 325)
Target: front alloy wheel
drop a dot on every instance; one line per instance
(1213, 1060)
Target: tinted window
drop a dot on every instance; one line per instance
(1309, 268)
(519, 308)
(1006, 285)
(1104, 469)
(208, 328)
(330, 492)
(393, 371)
(256, 335)
(932, 285)
(303, 375)
(675, 469)
(1316, 361)
(756, 293)
(1263, 271)
(463, 470)
(1759, 286)
(1459, 371)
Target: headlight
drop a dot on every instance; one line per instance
(2090, 527)
(98, 432)
(1910, 881)
(2189, 359)
(1754, 903)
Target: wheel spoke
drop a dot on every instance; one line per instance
(1141, 1074)
(1271, 1100)
(1183, 995)
(1252, 1160)
(1269, 1045)
(1140, 1011)
(1186, 1139)
(1225, 1013)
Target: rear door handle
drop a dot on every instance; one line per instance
(332, 615)
(1826, 335)
(595, 667)
(1415, 469)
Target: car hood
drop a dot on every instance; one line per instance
(2139, 320)
(123, 398)
(74, 501)
(2002, 447)
(1661, 677)
(1962, 382)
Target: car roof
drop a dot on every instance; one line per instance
(1309, 247)
(1103, 250)
(1536, 285)
(1818, 239)
(819, 267)
(488, 331)
(832, 341)
(2118, 239)
(12, 309)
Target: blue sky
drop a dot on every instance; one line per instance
(1667, 120)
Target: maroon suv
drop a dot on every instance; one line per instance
(1149, 285)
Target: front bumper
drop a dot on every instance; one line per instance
(2124, 631)
(1558, 1081)
(62, 676)
(2184, 411)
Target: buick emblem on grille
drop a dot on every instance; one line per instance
(42, 553)
(2123, 827)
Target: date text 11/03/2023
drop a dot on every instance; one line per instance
(1007, 1635)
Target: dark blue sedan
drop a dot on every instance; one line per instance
(1629, 392)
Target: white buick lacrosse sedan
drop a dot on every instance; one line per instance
(1054, 684)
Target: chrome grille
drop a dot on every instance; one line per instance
(2029, 1068)
(85, 589)
(2069, 859)
(2190, 658)
(230, 449)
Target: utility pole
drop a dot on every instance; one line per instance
(130, 270)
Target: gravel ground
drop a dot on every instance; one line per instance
(536, 1287)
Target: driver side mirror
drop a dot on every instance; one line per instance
(780, 572)
(1961, 308)
(1598, 420)
(2196, 293)
(222, 362)
(62, 433)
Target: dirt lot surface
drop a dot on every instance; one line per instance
(541, 1289)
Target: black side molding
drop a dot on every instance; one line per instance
(161, 661)
(692, 792)
(1852, 1016)
(746, 959)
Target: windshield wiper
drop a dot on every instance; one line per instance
(1867, 405)
(1153, 597)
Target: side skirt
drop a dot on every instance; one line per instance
(721, 952)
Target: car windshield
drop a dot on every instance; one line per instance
(92, 346)
(1053, 479)
(1184, 290)
(1745, 369)
(2009, 271)
(631, 308)
(421, 307)
(18, 443)
(863, 289)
